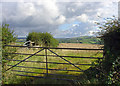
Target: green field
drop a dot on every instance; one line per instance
(82, 39)
(11, 78)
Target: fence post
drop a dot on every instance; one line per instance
(104, 52)
(46, 61)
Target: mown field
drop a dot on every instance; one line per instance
(11, 78)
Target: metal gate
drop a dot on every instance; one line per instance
(46, 69)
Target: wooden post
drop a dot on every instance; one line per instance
(104, 53)
(46, 62)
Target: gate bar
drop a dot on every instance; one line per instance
(65, 60)
(44, 73)
(48, 69)
(54, 48)
(24, 59)
(47, 62)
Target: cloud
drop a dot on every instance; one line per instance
(76, 30)
(61, 19)
(82, 18)
(48, 16)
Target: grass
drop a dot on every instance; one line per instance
(11, 78)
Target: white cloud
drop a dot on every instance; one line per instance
(47, 16)
(75, 25)
(61, 19)
(82, 18)
(26, 9)
(51, 9)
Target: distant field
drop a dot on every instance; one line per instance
(10, 75)
(81, 39)
(78, 45)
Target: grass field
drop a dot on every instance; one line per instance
(10, 77)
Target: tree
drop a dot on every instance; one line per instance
(35, 37)
(8, 36)
(44, 39)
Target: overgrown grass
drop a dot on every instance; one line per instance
(9, 77)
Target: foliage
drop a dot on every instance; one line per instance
(44, 39)
(8, 37)
(35, 37)
(112, 51)
(108, 70)
(48, 40)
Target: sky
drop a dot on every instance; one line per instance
(63, 19)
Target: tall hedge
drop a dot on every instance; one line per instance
(107, 71)
(111, 62)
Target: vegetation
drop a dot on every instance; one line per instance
(8, 37)
(82, 39)
(107, 71)
(110, 34)
(44, 39)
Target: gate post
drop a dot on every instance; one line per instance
(104, 53)
(46, 61)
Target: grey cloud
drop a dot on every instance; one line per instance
(47, 17)
(64, 7)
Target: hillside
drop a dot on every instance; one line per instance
(82, 39)
(21, 39)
